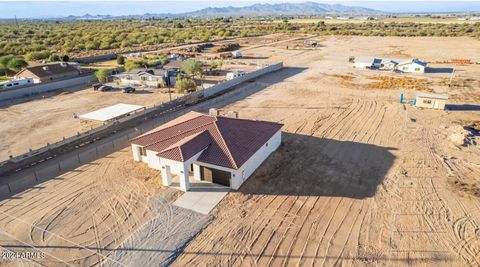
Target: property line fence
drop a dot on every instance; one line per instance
(122, 129)
(25, 91)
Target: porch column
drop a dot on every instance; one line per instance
(196, 172)
(166, 175)
(184, 183)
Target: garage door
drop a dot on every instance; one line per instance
(215, 176)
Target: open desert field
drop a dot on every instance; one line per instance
(100, 213)
(31, 123)
(359, 180)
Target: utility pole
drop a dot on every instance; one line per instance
(451, 78)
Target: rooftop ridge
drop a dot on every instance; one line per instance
(168, 127)
(175, 135)
(229, 153)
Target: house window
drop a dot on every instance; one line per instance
(426, 101)
(143, 151)
(417, 69)
(405, 68)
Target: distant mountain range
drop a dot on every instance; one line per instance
(282, 9)
(307, 8)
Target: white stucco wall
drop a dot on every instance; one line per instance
(177, 167)
(434, 103)
(153, 160)
(410, 68)
(136, 153)
(247, 169)
(362, 65)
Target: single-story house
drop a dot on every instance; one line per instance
(429, 100)
(388, 64)
(175, 65)
(407, 66)
(367, 62)
(221, 150)
(149, 77)
(16, 83)
(412, 65)
(49, 72)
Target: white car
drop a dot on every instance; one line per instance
(235, 74)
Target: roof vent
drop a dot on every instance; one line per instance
(232, 114)
(45, 67)
(213, 112)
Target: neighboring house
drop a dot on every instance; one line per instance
(49, 72)
(367, 62)
(221, 150)
(149, 77)
(407, 66)
(175, 65)
(235, 74)
(412, 65)
(429, 100)
(388, 64)
(16, 83)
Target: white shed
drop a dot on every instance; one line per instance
(429, 100)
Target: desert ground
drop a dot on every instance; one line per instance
(34, 122)
(359, 180)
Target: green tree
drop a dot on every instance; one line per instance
(37, 55)
(4, 60)
(16, 64)
(131, 64)
(192, 67)
(120, 60)
(184, 85)
(101, 75)
(53, 58)
(65, 58)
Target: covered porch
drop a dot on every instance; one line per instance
(187, 176)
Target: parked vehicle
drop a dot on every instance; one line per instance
(104, 88)
(96, 86)
(128, 89)
(235, 74)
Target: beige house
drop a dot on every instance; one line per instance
(429, 100)
(49, 72)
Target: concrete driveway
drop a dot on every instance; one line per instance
(202, 196)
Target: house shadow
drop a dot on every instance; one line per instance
(311, 166)
(462, 107)
(141, 92)
(438, 70)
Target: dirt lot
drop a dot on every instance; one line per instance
(31, 123)
(97, 214)
(360, 179)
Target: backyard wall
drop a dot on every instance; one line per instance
(12, 93)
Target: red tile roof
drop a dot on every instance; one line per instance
(230, 142)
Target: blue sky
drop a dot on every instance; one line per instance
(48, 9)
